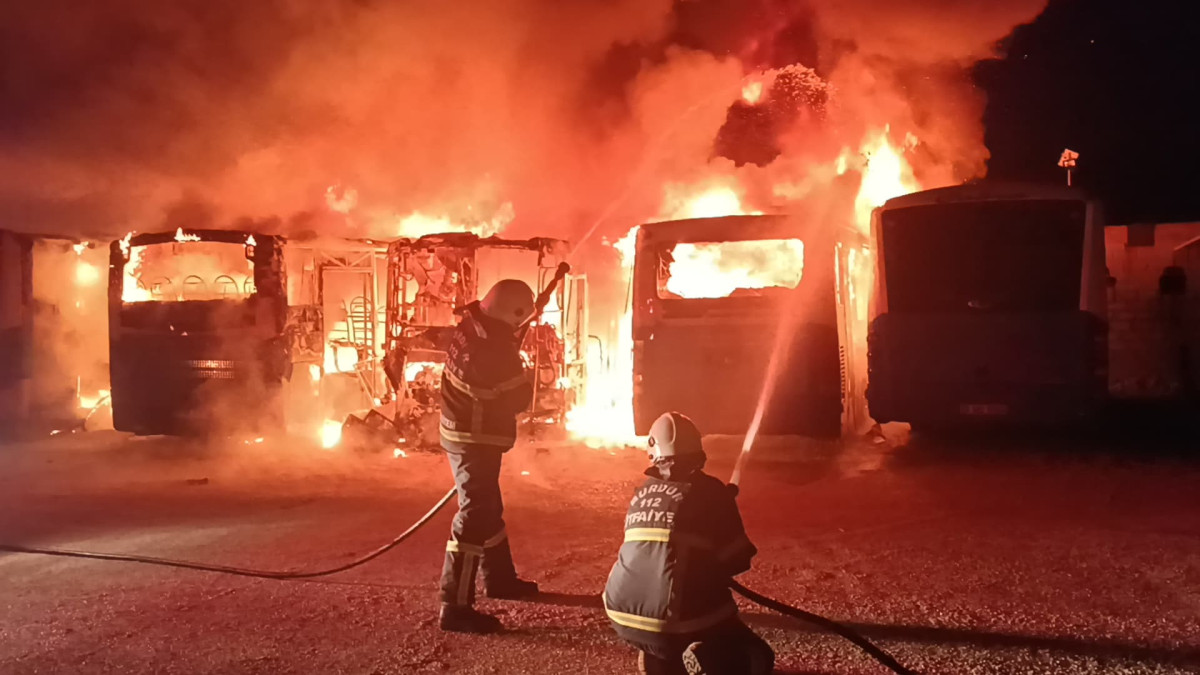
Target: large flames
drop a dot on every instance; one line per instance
(719, 269)
(188, 269)
(605, 419)
(886, 175)
(649, 111)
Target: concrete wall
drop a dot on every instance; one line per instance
(1147, 329)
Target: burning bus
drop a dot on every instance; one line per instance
(233, 329)
(431, 278)
(710, 298)
(990, 305)
(197, 330)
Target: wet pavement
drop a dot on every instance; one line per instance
(956, 556)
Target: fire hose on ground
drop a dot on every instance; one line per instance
(769, 603)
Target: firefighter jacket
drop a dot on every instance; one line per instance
(484, 384)
(684, 542)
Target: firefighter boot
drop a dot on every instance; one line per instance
(467, 619)
(723, 658)
(702, 659)
(500, 578)
(458, 592)
(649, 664)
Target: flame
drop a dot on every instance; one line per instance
(314, 371)
(418, 224)
(331, 434)
(886, 175)
(717, 270)
(81, 247)
(340, 358)
(203, 271)
(413, 369)
(250, 240)
(132, 289)
(86, 274)
(341, 200)
(90, 402)
(752, 92)
(721, 200)
(604, 419)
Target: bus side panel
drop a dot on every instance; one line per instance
(715, 374)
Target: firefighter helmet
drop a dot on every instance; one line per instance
(674, 435)
(510, 301)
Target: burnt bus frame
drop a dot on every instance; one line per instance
(152, 385)
(407, 341)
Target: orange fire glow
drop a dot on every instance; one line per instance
(712, 202)
(331, 434)
(752, 92)
(717, 270)
(604, 419)
(86, 274)
(187, 270)
(886, 175)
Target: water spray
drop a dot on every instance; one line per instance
(783, 338)
(786, 327)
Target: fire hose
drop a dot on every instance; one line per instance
(239, 571)
(832, 626)
(769, 603)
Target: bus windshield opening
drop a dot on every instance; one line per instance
(188, 271)
(1022, 255)
(731, 269)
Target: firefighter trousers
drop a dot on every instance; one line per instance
(477, 535)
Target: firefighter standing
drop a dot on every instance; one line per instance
(668, 594)
(484, 388)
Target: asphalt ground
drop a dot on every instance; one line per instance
(957, 556)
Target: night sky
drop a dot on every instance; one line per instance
(1119, 83)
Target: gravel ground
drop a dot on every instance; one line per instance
(958, 557)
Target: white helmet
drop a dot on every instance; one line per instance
(674, 435)
(510, 301)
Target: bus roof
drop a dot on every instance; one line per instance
(740, 228)
(987, 191)
(472, 240)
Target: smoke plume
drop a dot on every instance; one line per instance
(348, 116)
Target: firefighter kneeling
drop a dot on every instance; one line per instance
(668, 594)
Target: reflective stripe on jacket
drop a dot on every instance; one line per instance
(684, 541)
(484, 384)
